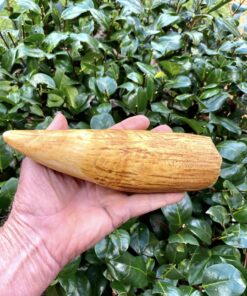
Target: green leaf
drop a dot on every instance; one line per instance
(150, 87)
(235, 236)
(201, 229)
(41, 78)
(29, 5)
(76, 285)
(215, 103)
(2, 4)
(183, 238)
(241, 49)
(208, 93)
(226, 252)
(243, 87)
(165, 19)
(101, 18)
(71, 94)
(232, 150)
(129, 269)
(74, 11)
(86, 38)
(201, 258)
(223, 279)
(164, 288)
(35, 109)
(6, 155)
(8, 59)
(240, 214)
(167, 44)
(226, 123)
(233, 172)
(232, 196)
(113, 246)
(7, 192)
(134, 6)
(171, 68)
(135, 77)
(219, 214)
(97, 279)
(137, 101)
(160, 108)
(107, 85)
(53, 39)
(104, 108)
(195, 36)
(146, 69)
(101, 121)
(54, 101)
(196, 125)
(71, 268)
(179, 82)
(140, 238)
(178, 214)
(227, 25)
(25, 51)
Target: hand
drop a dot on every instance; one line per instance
(72, 215)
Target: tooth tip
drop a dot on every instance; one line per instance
(6, 136)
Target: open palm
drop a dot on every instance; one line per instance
(72, 215)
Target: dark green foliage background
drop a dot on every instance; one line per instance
(178, 62)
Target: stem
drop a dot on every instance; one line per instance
(11, 38)
(6, 44)
(245, 259)
(240, 4)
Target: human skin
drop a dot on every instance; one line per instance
(56, 217)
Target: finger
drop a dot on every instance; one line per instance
(162, 128)
(139, 204)
(138, 122)
(58, 123)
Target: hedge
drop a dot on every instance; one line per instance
(179, 62)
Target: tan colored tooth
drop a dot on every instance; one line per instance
(132, 161)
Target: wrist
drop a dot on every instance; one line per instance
(26, 266)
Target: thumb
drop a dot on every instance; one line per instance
(58, 123)
(30, 166)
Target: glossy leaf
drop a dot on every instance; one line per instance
(74, 11)
(226, 123)
(53, 39)
(163, 288)
(41, 78)
(101, 121)
(219, 214)
(106, 85)
(222, 279)
(201, 229)
(232, 150)
(183, 238)
(76, 285)
(235, 236)
(134, 6)
(179, 82)
(166, 19)
(129, 269)
(29, 5)
(2, 4)
(113, 246)
(6, 155)
(177, 214)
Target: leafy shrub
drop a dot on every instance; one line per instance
(178, 62)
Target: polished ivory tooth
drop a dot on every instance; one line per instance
(126, 160)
